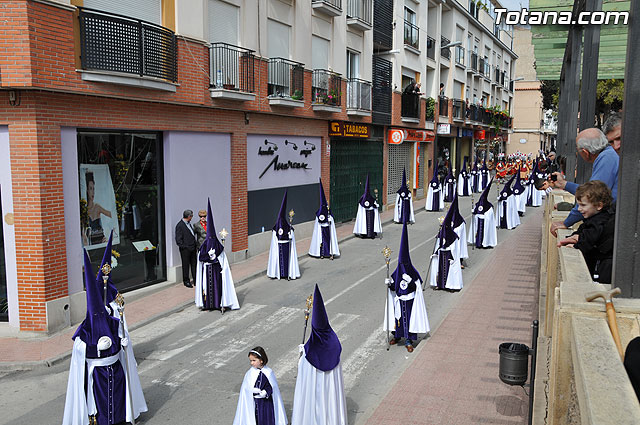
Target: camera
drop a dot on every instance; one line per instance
(553, 177)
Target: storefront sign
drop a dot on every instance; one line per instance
(478, 134)
(466, 133)
(347, 129)
(397, 136)
(444, 128)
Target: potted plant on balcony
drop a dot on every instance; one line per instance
(333, 97)
(229, 85)
(297, 95)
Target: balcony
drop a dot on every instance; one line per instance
(328, 7)
(487, 69)
(443, 106)
(411, 38)
(326, 91)
(481, 66)
(474, 113)
(502, 78)
(410, 111)
(123, 50)
(460, 56)
(358, 97)
(458, 110)
(359, 14)
(285, 83)
(446, 52)
(231, 70)
(474, 61)
(497, 74)
(431, 48)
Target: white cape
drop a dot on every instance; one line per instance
(513, 219)
(461, 243)
(490, 232)
(418, 322)
(445, 188)
(273, 267)
(521, 201)
(319, 396)
(316, 239)
(360, 228)
(229, 298)
(430, 192)
(246, 411)
(78, 406)
(461, 185)
(397, 212)
(454, 276)
(536, 195)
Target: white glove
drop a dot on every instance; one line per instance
(387, 281)
(256, 390)
(124, 341)
(261, 394)
(301, 348)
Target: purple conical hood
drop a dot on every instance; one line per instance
(453, 217)
(323, 347)
(475, 165)
(534, 171)
(366, 200)
(507, 190)
(463, 170)
(281, 221)
(211, 241)
(323, 211)
(483, 204)
(484, 164)
(112, 291)
(403, 187)
(446, 235)
(517, 187)
(435, 179)
(404, 265)
(98, 322)
(449, 177)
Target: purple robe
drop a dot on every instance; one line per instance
(325, 245)
(444, 257)
(405, 210)
(370, 216)
(283, 258)
(480, 233)
(109, 393)
(214, 286)
(265, 414)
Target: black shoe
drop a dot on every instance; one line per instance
(188, 285)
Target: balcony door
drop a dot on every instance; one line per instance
(146, 10)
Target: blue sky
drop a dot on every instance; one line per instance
(514, 4)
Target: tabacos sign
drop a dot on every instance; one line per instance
(347, 129)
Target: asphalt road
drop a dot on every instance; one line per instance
(191, 363)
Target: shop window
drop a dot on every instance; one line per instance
(121, 189)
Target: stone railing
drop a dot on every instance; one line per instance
(580, 378)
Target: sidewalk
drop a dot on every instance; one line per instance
(30, 353)
(454, 376)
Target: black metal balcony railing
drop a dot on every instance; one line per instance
(336, 4)
(481, 66)
(431, 48)
(112, 42)
(460, 55)
(410, 105)
(486, 116)
(232, 68)
(474, 61)
(411, 35)
(326, 87)
(502, 78)
(443, 106)
(285, 78)
(446, 52)
(474, 113)
(510, 84)
(497, 73)
(458, 109)
(360, 10)
(358, 94)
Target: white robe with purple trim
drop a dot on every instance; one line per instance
(316, 238)
(246, 410)
(490, 235)
(273, 267)
(229, 298)
(430, 194)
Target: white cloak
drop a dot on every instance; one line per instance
(460, 245)
(246, 411)
(319, 396)
(454, 276)
(273, 267)
(78, 405)
(360, 228)
(513, 219)
(445, 188)
(521, 201)
(397, 212)
(536, 194)
(430, 192)
(490, 237)
(461, 184)
(228, 298)
(418, 322)
(316, 239)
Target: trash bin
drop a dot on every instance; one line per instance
(514, 363)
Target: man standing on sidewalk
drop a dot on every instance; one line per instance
(592, 146)
(187, 243)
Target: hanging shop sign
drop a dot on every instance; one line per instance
(399, 135)
(463, 132)
(347, 129)
(444, 128)
(479, 134)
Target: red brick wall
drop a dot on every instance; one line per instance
(15, 61)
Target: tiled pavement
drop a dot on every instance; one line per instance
(453, 379)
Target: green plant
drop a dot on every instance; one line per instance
(431, 105)
(297, 95)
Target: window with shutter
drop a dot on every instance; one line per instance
(146, 10)
(223, 22)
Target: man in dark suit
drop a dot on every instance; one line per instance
(187, 242)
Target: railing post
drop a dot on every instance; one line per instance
(141, 47)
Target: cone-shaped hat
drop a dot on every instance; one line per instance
(435, 178)
(211, 241)
(517, 187)
(453, 217)
(484, 163)
(282, 226)
(446, 235)
(534, 172)
(463, 170)
(323, 347)
(483, 204)
(405, 268)
(449, 177)
(323, 211)
(404, 190)
(366, 200)
(507, 190)
(475, 165)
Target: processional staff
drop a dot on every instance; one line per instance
(223, 235)
(387, 256)
(309, 304)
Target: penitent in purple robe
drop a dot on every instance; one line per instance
(213, 269)
(265, 414)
